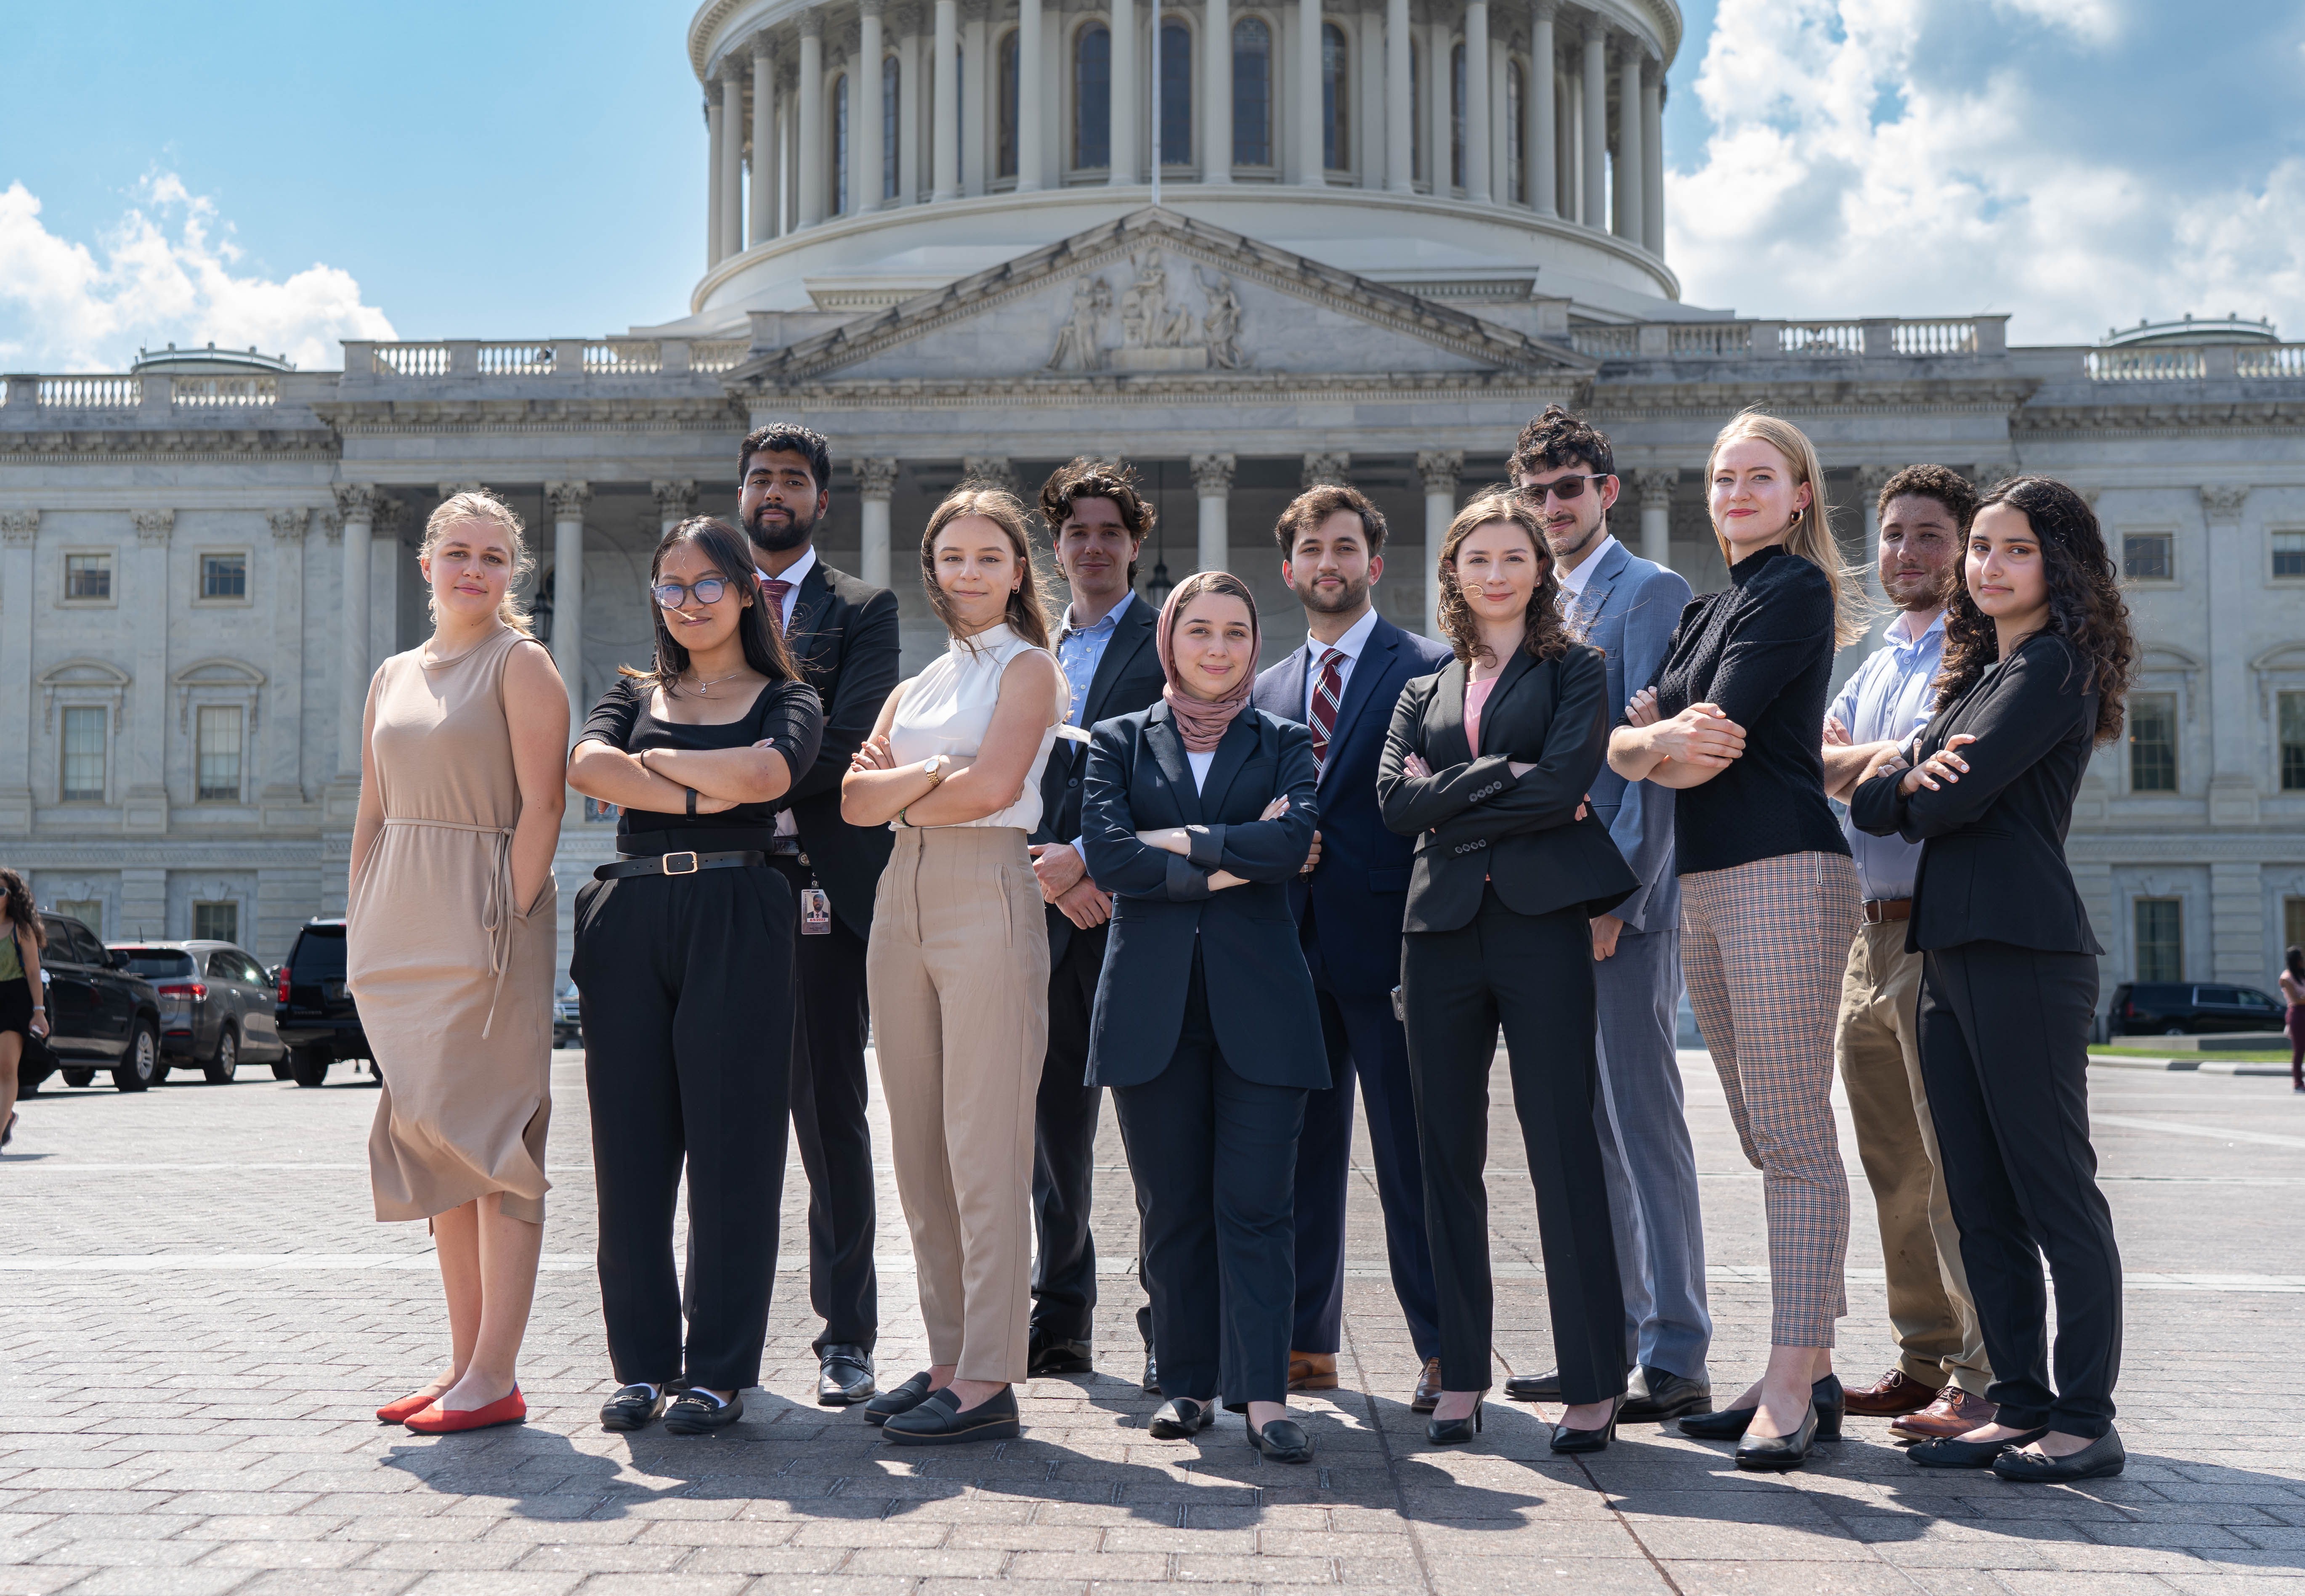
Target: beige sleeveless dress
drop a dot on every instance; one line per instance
(453, 981)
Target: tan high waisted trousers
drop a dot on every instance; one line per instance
(958, 975)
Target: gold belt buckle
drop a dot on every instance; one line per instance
(691, 869)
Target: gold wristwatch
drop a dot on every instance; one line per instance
(933, 769)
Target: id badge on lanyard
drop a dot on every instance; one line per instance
(815, 911)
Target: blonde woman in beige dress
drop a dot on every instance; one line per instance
(449, 933)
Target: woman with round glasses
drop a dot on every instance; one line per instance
(684, 962)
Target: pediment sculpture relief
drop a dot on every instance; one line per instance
(1156, 336)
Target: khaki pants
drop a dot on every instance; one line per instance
(1879, 1047)
(959, 972)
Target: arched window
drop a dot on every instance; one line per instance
(1456, 117)
(891, 83)
(840, 205)
(1252, 93)
(1336, 63)
(1093, 99)
(1516, 165)
(1176, 95)
(1005, 152)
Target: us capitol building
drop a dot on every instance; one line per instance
(1251, 245)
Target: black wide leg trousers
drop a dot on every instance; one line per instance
(686, 986)
(1533, 974)
(2004, 1052)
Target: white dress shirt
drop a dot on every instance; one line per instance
(1355, 640)
(1572, 582)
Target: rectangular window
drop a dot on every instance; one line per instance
(2148, 556)
(2160, 940)
(223, 576)
(2153, 742)
(215, 922)
(2289, 554)
(87, 576)
(2293, 742)
(84, 736)
(220, 753)
(88, 911)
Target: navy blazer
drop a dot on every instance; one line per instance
(1260, 993)
(1360, 891)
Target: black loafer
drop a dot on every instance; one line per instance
(2101, 1458)
(1567, 1440)
(1152, 1374)
(1769, 1452)
(844, 1375)
(693, 1412)
(1058, 1355)
(1283, 1440)
(1950, 1452)
(1180, 1418)
(1534, 1387)
(1654, 1396)
(633, 1407)
(938, 1420)
(1729, 1424)
(904, 1399)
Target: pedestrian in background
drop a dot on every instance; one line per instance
(23, 1006)
(2292, 993)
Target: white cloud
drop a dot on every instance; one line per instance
(1840, 181)
(165, 273)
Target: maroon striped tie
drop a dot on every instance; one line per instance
(1328, 696)
(774, 591)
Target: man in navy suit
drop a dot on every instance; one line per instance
(1349, 903)
(1628, 607)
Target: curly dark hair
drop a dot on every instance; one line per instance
(1312, 507)
(1115, 481)
(2085, 604)
(20, 912)
(1941, 483)
(1562, 437)
(1548, 636)
(763, 639)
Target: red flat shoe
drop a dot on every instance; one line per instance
(398, 1412)
(437, 1420)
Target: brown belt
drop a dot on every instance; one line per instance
(1877, 909)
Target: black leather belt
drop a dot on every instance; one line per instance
(680, 863)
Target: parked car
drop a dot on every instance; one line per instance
(101, 1014)
(317, 1020)
(216, 1005)
(2183, 1008)
(567, 1025)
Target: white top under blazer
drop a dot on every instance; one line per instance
(946, 708)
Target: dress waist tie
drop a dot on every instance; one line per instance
(497, 916)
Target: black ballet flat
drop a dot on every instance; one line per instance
(1730, 1424)
(1283, 1440)
(1180, 1418)
(1565, 1440)
(2100, 1459)
(1772, 1452)
(903, 1400)
(1451, 1432)
(1950, 1452)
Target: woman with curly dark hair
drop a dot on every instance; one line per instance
(1486, 764)
(2036, 663)
(23, 1014)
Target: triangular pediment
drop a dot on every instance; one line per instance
(1157, 296)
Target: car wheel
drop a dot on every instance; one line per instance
(280, 1068)
(80, 1077)
(2174, 1030)
(225, 1064)
(141, 1065)
(308, 1066)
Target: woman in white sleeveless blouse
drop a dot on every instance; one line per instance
(958, 968)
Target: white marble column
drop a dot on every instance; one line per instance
(1123, 135)
(765, 161)
(716, 137)
(1440, 468)
(1653, 158)
(864, 105)
(975, 96)
(1212, 486)
(145, 803)
(1540, 152)
(1632, 165)
(1655, 488)
(1593, 95)
(675, 502)
(731, 190)
(944, 127)
(19, 533)
(1477, 187)
(356, 503)
(876, 485)
(1030, 59)
(1399, 101)
(1311, 164)
(389, 563)
(2236, 569)
(1216, 92)
(814, 175)
(284, 775)
(569, 500)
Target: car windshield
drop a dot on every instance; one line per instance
(158, 963)
(320, 954)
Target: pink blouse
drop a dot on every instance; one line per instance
(1476, 693)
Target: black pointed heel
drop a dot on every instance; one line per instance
(1567, 1441)
(1771, 1452)
(1729, 1424)
(1450, 1432)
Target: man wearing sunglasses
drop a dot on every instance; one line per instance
(1628, 607)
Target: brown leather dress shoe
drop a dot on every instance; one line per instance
(1954, 1413)
(1895, 1393)
(1312, 1370)
(1427, 1396)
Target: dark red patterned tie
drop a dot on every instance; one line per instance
(774, 591)
(1328, 696)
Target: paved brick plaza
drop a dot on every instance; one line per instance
(197, 1317)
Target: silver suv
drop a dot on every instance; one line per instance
(216, 1005)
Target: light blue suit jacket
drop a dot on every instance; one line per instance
(1628, 610)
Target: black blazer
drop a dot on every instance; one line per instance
(1993, 844)
(844, 634)
(1474, 823)
(1259, 992)
(1128, 678)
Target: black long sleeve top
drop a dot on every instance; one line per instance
(785, 715)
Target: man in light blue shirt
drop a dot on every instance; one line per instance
(1938, 1386)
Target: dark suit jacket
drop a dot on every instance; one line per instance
(1128, 678)
(1993, 854)
(1474, 822)
(1360, 891)
(844, 632)
(1260, 993)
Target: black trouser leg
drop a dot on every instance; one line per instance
(1257, 1127)
(1452, 1039)
(1064, 1150)
(1323, 1169)
(1168, 1127)
(829, 1097)
(2005, 1040)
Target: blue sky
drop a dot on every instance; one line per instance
(289, 176)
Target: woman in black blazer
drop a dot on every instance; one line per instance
(1486, 766)
(1197, 814)
(2038, 659)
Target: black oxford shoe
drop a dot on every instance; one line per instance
(1048, 1354)
(1654, 1396)
(844, 1375)
(1534, 1387)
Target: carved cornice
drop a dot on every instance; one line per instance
(1327, 471)
(568, 500)
(2222, 503)
(1212, 475)
(154, 527)
(136, 445)
(1864, 395)
(2254, 418)
(1440, 469)
(1518, 390)
(20, 528)
(288, 526)
(876, 479)
(392, 418)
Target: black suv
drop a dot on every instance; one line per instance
(101, 1014)
(314, 1013)
(2180, 1008)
